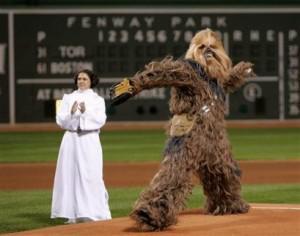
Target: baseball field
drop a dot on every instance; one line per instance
(269, 158)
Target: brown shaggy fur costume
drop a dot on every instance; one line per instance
(197, 139)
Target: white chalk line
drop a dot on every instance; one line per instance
(275, 208)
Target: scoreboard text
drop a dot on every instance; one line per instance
(40, 50)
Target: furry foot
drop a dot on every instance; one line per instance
(151, 219)
(239, 207)
(144, 221)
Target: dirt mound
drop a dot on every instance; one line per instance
(267, 220)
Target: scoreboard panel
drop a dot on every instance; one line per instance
(49, 46)
(4, 85)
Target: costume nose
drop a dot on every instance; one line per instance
(208, 49)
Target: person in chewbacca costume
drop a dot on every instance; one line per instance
(197, 141)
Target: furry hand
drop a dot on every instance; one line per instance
(243, 70)
(121, 91)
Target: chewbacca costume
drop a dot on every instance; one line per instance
(197, 141)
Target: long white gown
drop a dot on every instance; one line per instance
(79, 190)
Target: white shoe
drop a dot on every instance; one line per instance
(84, 219)
(71, 221)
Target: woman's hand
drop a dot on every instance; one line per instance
(74, 107)
(82, 107)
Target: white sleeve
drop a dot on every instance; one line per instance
(94, 117)
(64, 118)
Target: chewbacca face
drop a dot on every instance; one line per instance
(207, 49)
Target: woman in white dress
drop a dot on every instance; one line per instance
(79, 193)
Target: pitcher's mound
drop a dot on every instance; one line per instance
(263, 219)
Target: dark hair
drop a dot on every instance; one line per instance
(93, 77)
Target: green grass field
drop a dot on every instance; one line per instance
(133, 146)
(24, 210)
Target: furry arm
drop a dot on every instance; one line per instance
(165, 73)
(238, 75)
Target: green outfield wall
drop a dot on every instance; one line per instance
(41, 47)
(147, 2)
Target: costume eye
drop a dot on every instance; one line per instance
(202, 46)
(82, 78)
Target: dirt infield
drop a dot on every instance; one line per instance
(150, 125)
(262, 220)
(267, 220)
(40, 176)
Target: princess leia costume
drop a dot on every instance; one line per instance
(79, 191)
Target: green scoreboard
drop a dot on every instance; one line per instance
(41, 49)
(4, 89)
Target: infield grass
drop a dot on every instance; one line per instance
(25, 210)
(141, 146)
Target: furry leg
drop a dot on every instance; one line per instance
(222, 188)
(157, 206)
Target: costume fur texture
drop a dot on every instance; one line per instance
(197, 141)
